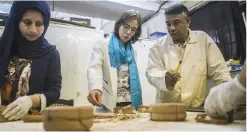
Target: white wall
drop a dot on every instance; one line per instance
(95, 22)
(156, 24)
(1, 30)
(108, 27)
(74, 44)
(5, 8)
(144, 4)
(148, 91)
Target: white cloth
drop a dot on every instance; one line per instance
(101, 75)
(18, 108)
(224, 98)
(202, 59)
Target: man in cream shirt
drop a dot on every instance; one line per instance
(200, 59)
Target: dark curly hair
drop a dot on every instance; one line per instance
(176, 9)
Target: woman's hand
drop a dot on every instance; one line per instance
(18, 108)
(95, 97)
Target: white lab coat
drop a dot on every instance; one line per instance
(101, 75)
(202, 59)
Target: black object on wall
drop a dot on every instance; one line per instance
(224, 22)
(3, 19)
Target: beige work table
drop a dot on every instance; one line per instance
(139, 124)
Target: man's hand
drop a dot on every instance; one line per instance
(171, 79)
(95, 97)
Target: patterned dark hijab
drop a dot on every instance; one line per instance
(13, 43)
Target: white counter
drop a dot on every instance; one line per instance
(141, 124)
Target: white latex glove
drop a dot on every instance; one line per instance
(224, 98)
(18, 108)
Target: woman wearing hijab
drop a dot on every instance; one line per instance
(113, 77)
(30, 71)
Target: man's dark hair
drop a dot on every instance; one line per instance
(176, 9)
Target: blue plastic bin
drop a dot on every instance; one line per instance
(157, 35)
